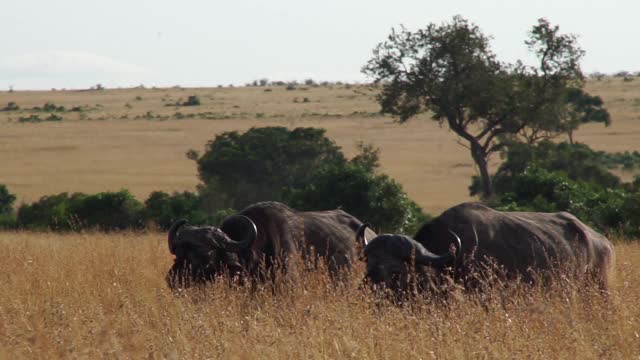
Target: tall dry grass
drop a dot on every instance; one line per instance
(103, 296)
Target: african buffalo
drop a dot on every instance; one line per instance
(259, 242)
(529, 246)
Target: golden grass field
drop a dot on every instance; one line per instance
(94, 295)
(103, 296)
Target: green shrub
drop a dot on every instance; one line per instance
(627, 160)
(577, 161)
(11, 106)
(376, 199)
(50, 212)
(367, 157)
(220, 215)
(51, 107)
(29, 119)
(6, 200)
(7, 216)
(36, 119)
(53, 117)
(109, 211)
(552, 177)
(163, 209)
(192, 100)
(610, 210)
(104, 211)
(261, 164)
(8, 221)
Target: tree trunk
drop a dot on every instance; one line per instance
(480, 158)
(570, 132)
(478, 152)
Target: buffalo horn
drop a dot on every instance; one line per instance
(173, 231)
(361, 237)
(475, 233)
(425, 257)
(250, 234)
(457, 243)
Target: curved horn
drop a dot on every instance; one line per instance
(173, 231)
(477, 240)
(457, 243)
(247, 237)
(476, 235)
(361, 237)
(425, 257)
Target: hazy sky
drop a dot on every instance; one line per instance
(79, 43)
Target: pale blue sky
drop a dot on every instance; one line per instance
(79, 43)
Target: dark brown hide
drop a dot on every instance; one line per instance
(326, 234)
(282, 235)
(522, 244)
(395, 261)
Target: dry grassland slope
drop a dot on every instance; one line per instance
(131, 139)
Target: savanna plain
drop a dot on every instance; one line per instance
(103, 295)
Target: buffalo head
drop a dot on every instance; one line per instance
(204, 252)
(398, 262)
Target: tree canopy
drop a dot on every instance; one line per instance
(450, 72)
(262, 163)
(377, 199)
(577, 161)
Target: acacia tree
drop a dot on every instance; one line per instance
(450, 71)
(556, 101)
(584, 108)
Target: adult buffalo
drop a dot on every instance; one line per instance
(529, 246)
(260, 242)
